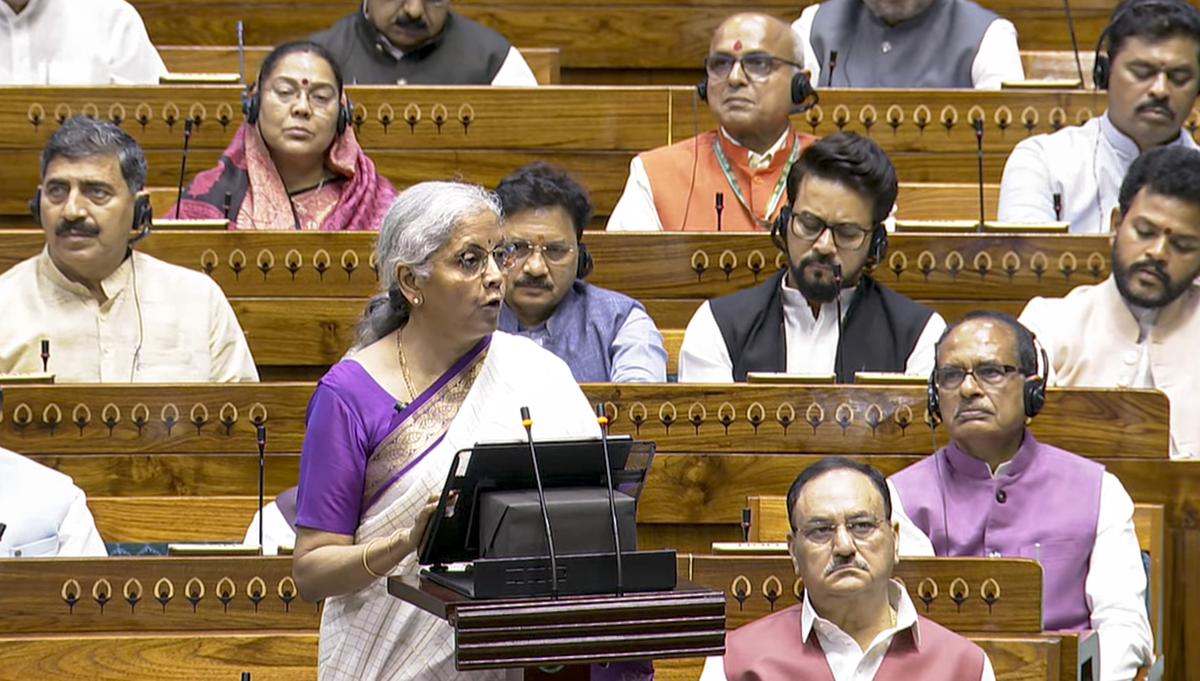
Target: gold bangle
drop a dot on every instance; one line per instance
(366, 565)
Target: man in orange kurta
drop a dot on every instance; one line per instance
(752, 63)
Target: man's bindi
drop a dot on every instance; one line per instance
(737, 45)
(304, 82)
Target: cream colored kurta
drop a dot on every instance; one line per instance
(186, 328)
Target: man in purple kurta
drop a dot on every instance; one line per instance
(855, 623)
(996, 491)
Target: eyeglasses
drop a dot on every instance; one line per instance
(556, 253)
(472, 261)
(949, 378)
(846, 235)
(859, 528)
(757, 65)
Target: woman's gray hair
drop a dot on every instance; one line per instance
(420, 221)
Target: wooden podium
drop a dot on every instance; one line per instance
(573, 631)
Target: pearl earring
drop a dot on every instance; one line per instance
(416, 301)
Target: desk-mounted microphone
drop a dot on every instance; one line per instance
(832, 66)
(527, 422)
(720, 206)
(837, 296)
(261, 438)
(45, 355)
(187, 139)
(978, 125)
(602, 418)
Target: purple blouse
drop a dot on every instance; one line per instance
(348, 416)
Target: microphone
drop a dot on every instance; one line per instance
(978, 125)
(1058, 206)
(527, 422)
(245, 675)
(1074, 42)
(187, 139)
(832, 66)
(837, 296)
(720, 206)
(45, 355)
(227, 204)
(746, 525)
(261, 436)
(241, 45)
(3, 527)
(602, 418)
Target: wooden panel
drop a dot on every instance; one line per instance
(151, 595)
(1150, 524)
(203, 475)
(173, 519)
(267, 656)
(946, 201)
(1056, 64)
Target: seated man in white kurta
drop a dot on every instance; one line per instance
(43, 513)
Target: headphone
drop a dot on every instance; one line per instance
(1102, 70)
(875, 253)
(143, 215)
(252, 104)
(804, 96)
(1034, 395)
(585, 264)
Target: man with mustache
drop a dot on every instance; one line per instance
(908, 44)
(421, 42)
(839, 193)
(1149, 61)
(1140, 327)
(108, 312)
(755, 79)
(604, 336)
(856, 623)
(996, 491)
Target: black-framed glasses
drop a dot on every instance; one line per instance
(757, 65)
(989, 373)
(860, 529)
(472, 260)
(554, 252)
(846, 235)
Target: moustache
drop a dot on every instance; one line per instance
(543, 284)
(1156, 105)
(78, 227)
(854, 562)
(411, 24)
(1153, 268)
(972, 406)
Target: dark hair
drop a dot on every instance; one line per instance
(272, 60)
(836, 463)
(1026, 350)
(541, 185)
(85, 137)
(1167, 171)
(1153, 20)
(856, 162)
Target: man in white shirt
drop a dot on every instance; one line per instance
(995, 491)
(839, 193)
(856, 623)
(910, 44)
(74, 42)
(42, 513)
(1139, 328)
(1151, 70)
(101, 311)
(421, 42)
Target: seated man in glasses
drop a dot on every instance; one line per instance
(823, 314)
(996, 491)
(602, 335)
(732, 178)
(855, 622)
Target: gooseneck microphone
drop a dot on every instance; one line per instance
(1058, 206)
(1074, 42)
(261, 437)
(720, 206)
(187, 139)
(832, 66)
(241, 45)
(3, 527)
(746, 525)
(837, 297)
(45, 355)
(602, 418)
(978, 125)
(527, 422)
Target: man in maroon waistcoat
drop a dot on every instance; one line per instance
(856, 623)
(996, 491)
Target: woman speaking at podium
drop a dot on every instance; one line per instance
(430, 376)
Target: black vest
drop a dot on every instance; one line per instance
(881, 328)
(464, 53)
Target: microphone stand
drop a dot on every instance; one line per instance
(832, 66)
(978, 125)
(537, 478)
(602, 418)
(1074, 42)
(837, 297)
(187, 138)
(261, 433)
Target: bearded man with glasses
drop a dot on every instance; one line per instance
(755, 79)
(839, 193)
(995, 491)
(855, 622)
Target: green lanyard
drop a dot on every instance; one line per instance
(737, 191)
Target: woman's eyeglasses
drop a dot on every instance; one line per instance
(472, 261)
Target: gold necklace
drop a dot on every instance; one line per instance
(412, 394)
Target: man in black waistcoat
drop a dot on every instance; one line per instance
(839, 193)
(421, 42)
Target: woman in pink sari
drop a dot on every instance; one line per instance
(295, 163)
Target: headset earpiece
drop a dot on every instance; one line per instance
(879, 245)
(584, 265)
(804, 96)
(779, 228)
(35, 206)
(143, 218)
(345, 115)
(1035, 390)
(702, 90)
(932, 404)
